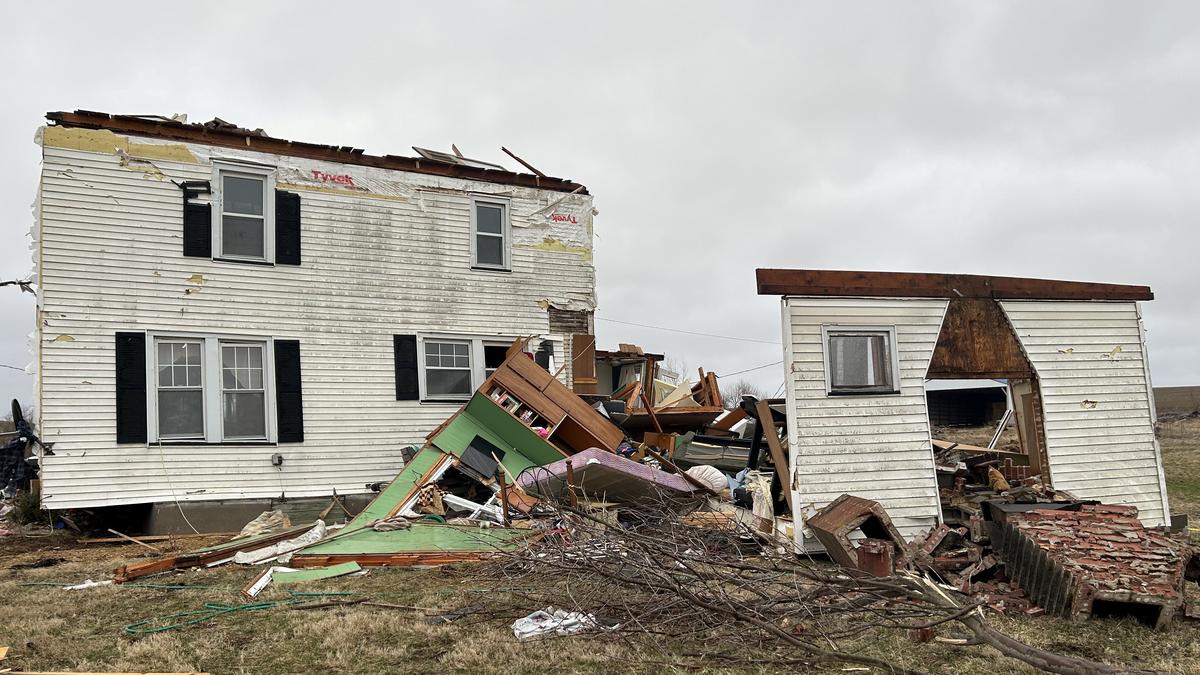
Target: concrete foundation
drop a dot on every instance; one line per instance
(232, 515)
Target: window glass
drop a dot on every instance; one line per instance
(489, 218)
(490, 242)
(244, 411)
(860, 361)
(243, 223)
(243, 237)
(489, 250)
(447, 369)
(180, 390)
(242, 195)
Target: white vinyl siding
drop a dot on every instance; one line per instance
(1091, 364)
(376, 264)
(875, 445)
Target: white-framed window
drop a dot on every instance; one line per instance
(860, 360)
(243, 212)
(491, 226)
(452, 367)
(179, 364)
(447, 369)
(243, 391)
(210, 389)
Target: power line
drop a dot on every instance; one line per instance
(739, 372)
(3, 365)
(689, 332)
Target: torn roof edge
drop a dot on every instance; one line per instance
(228, 135)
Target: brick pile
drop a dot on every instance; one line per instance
(1098, 560)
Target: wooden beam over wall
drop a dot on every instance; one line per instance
(931, 285)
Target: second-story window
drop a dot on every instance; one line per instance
(244, 213)
(490, 234)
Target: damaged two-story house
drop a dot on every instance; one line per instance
(225, 315)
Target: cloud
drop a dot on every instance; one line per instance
(1054, 141)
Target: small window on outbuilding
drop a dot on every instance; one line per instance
(490, 234)
(860, 360)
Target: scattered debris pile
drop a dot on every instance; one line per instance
(721, 586)
(686, 508)
(1096, 561)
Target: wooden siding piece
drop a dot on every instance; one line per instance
(872, 446)
(372, 268)
(929, 285)
(977, 341)
(1095, 402)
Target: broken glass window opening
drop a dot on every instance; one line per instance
(490, 226)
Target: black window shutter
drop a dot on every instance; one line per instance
(289, 402)
(407, 388)
(287, 228)
(197, 230)
(131, 387)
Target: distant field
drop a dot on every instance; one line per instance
(1180, 440)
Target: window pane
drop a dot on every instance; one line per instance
(164, 353)
(489, 250)
(242, 195)
(860, 361)
(194, 376)
(245, 415)
(164, 375)
(489, 218)
(181, 413)
(448, 382)
(851, 357)
(242, 237)
(236, 371)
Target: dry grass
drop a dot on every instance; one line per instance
(51, 629)
(1180, 440)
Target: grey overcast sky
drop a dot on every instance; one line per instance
(1057, 140)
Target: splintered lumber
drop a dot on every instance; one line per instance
(208, 555)
(136, 541)
(767, 424)
(726, 423)
(316, 573)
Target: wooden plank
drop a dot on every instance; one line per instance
(771, 433)
(726, 423)
(650, 411)
(714, 391)
(583, 364)
(930, 285)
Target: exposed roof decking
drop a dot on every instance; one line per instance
(251, 140)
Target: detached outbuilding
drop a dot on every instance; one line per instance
(859, 348)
